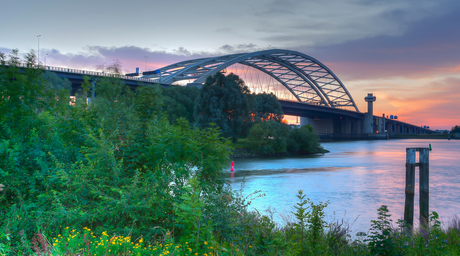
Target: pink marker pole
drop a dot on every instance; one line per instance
(231, 166)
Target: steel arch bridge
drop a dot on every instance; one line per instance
(309, 80)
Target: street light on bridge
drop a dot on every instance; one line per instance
(45, 59)
(145, 63)
(38, 51)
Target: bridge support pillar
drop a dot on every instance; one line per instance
(380, 125)
(321, 126)
(390, 127)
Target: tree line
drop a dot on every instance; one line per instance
(226, 101)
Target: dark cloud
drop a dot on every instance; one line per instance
(427, 46)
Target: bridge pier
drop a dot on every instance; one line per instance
(321, 126)
(339, 128)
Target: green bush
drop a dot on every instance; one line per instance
(112, 165)
(268, 137)
(303, 140)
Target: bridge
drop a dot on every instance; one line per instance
(308, 89)
(317, 94)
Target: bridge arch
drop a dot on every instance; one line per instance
(309, 80)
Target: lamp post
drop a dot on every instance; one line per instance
(145, 63)
(38, 58)
(45, 59)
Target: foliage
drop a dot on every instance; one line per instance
(114, 165)
(309, 228)
(179, 101)
(455, 129)
(86, 242)
(303, 140)
(114, 68)
(272, 137)
(55, 82)
(268, 137)
(266, 107)
(223, 101)
(4, 244)
(189, 216)
(381, 235)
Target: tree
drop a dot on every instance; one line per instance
(303, 140)
(267, 107)
(268, 137)
(223, 100)
(115, 68)
(57, 83)
(179, 101)
(455, 129)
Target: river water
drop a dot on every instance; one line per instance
(356, 177)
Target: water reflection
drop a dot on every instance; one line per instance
(356, 178)
(249, 173)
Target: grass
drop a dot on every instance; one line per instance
(250, 233)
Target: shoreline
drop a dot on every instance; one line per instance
(246, 154)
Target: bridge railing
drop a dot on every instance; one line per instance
(93, 73)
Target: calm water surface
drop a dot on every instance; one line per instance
(356, 178)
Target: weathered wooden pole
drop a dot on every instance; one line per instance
(410, 187)
(424, 186)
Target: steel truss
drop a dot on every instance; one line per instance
(306, 78)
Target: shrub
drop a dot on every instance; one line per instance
(268, 137)
(113, 165)
(303, 140)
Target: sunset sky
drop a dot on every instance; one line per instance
(405, 52)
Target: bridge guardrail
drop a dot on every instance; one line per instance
(92, 73)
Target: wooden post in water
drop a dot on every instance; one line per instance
(424, 186)
(410, 187)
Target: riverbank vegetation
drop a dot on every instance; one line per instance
(117, 177)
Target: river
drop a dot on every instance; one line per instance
(356, 177)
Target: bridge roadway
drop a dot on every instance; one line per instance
(75, 76)
(342, 123)
(335, 122)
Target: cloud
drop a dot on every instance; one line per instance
(427, 47)
(239, 48)
(132, 56)
(315, 23)
(224, 30)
